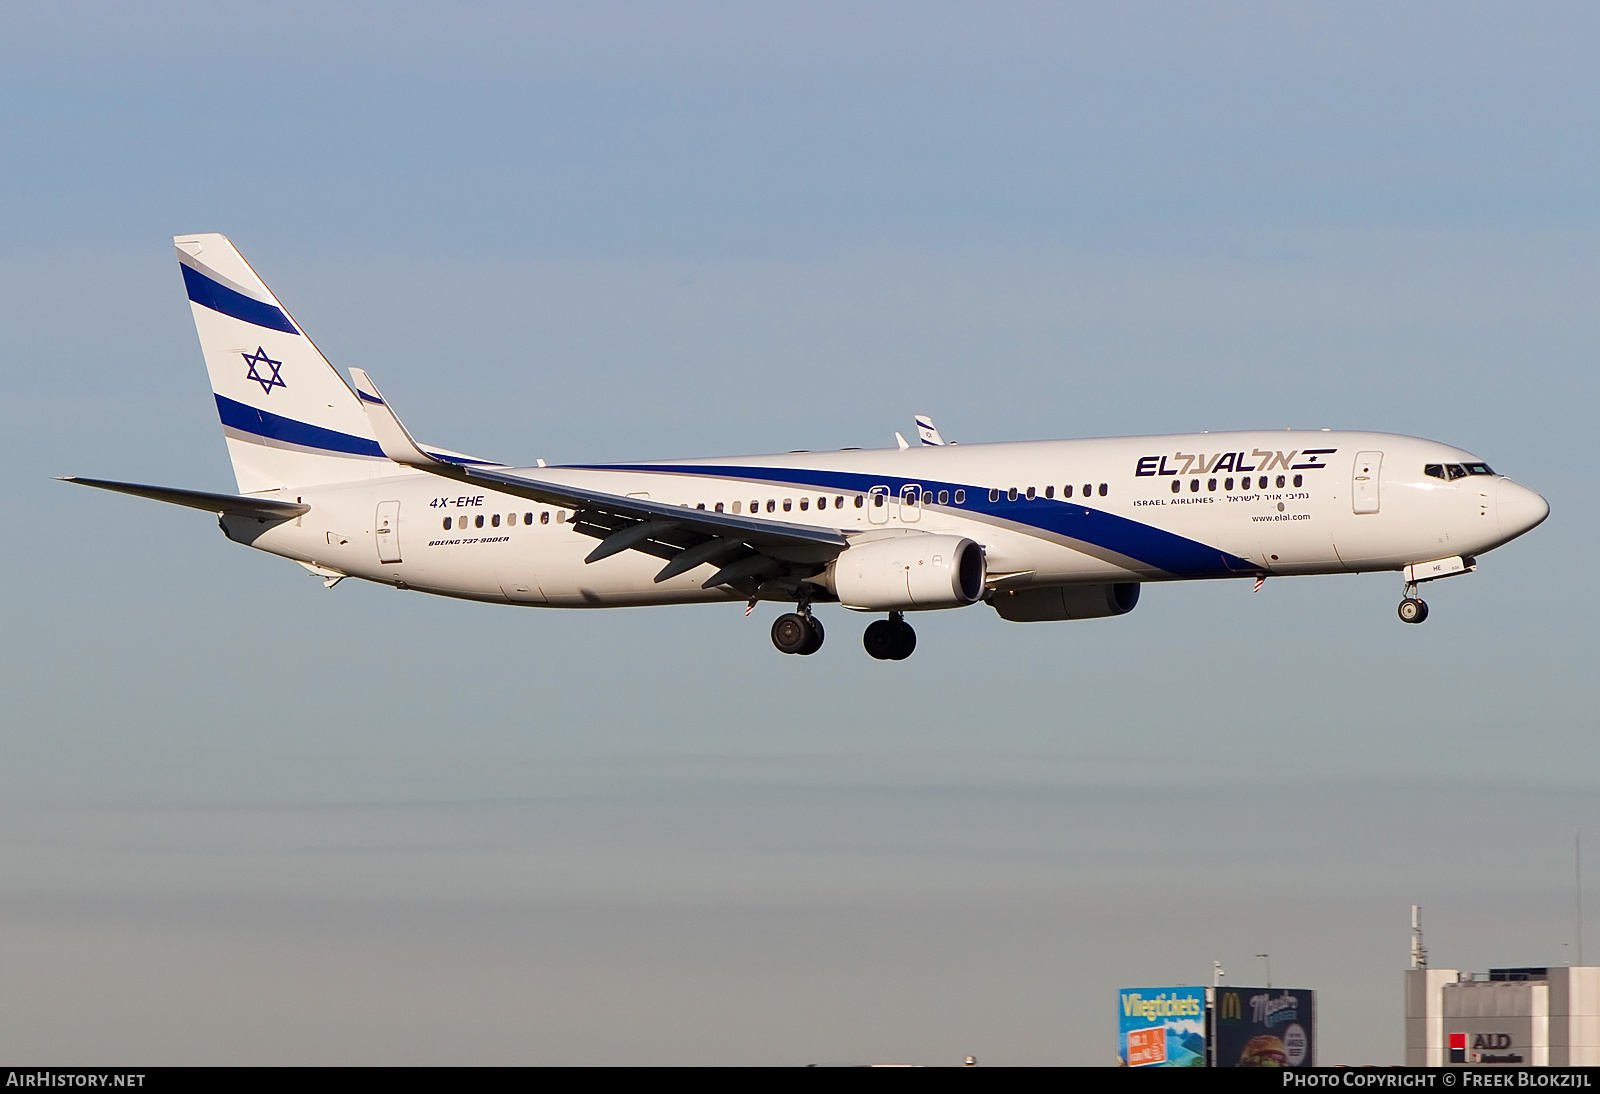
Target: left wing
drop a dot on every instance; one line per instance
(747, 550)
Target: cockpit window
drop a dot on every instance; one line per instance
(1455, 470)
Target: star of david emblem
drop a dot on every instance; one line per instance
(268, 382)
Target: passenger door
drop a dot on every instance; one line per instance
(1364, 482)
(386, 531)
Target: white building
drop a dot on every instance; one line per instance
(1515, 1017)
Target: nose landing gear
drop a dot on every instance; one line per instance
(1413, 609)
(797, 632)
(890, 639)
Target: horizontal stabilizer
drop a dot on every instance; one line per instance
(233, 505)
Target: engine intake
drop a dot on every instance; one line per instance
(1067, 602)
(908, 573)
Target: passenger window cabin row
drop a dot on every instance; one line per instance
(1049, 492)
(788, 504)
(1261, 483)
(910, 495)
(916, 495)
(493, 519)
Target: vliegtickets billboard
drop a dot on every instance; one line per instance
(1264, 1027)
(1162, 1027)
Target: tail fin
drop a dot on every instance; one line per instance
(289, 418)
(928, 431)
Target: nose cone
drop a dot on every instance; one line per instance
(1518, 508)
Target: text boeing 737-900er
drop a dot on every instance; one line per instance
(1041, 530)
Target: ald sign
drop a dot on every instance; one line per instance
(1485, 1048)
(1264, 1027)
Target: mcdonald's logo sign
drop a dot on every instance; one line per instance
(1231, 1007)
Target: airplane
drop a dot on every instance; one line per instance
(1040, 530)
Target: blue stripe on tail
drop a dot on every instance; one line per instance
(276, 427)
(219, 298)
(264, 423)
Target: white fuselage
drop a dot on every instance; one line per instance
(1046, 513)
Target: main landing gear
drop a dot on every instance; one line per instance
(797, 632)
(1413, 609)
(800, 632)
(890, 639)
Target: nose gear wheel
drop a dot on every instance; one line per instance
(1413, 610)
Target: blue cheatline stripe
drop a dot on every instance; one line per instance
(278, 428)
(264, 423)
(1155, 547)
(219, 298)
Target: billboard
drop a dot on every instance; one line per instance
(1264, 1027)
(1161, 1027)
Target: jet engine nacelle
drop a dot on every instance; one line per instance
(1067, 602)
(907, 573)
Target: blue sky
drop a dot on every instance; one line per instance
(243, 818)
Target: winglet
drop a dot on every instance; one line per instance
(901, 441)
(393, 437)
